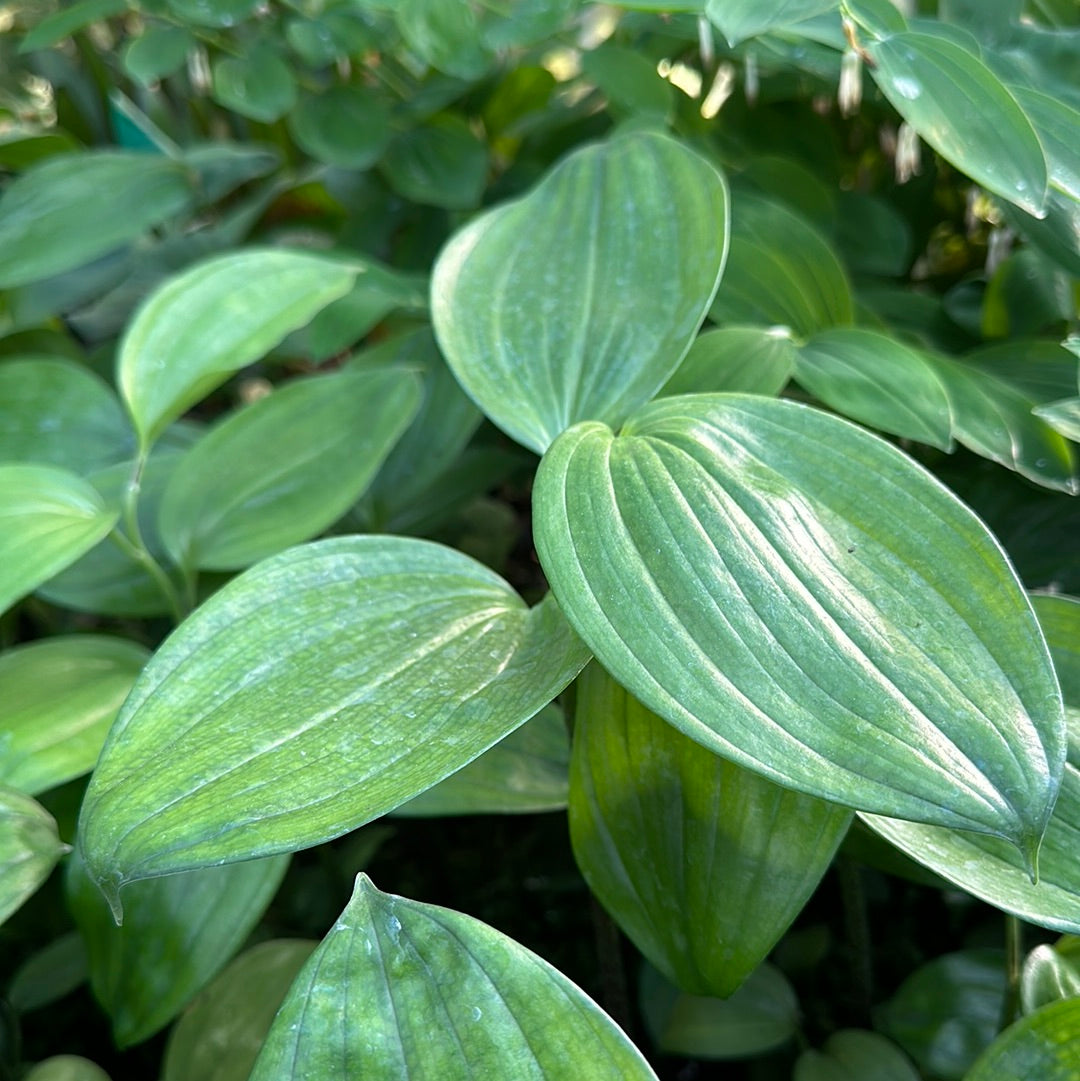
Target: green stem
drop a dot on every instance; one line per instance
(857, 927)
(1014, 957)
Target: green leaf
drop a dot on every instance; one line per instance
(214, 319)
(957, 104)
(219, 1036)
(70, 20)
(445, 34)
(258, 85)
(29, 848)
(48, 518)
(439, 163)
(66, 1068)
(1042, 1045)
(855, 1055)
(72, 208)
(750, 360)
(629, 80)
(402, 989)
(872, 235)
(296, 461)
(1048, 975)
(56, 412)
(373, 627)
(551, 310)
(157, 53)
(217, 13)
(948, 1011)
(702, 863)
(1063, 417)
(761, 1016)
(60, 696)
(1057, 124)
(780, 270)
(738, 20)
(991, 870)
(49, 974)
(178, 933)
(346, 126)
(526, 772)
(734, 563)
(878, 381)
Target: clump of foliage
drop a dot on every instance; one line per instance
(420, 410)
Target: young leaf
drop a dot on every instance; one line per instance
(71, 208)
(957, 104)
(178, 933)
(48, 518)
(219, 1036)
(578, 301)
(212, 320)
(60, 696)
(363, 669)
(285, 468)
(748, 360)
(402, 989)
(29, 848)
(738, 20)
(1042, 1045)
(701, 862)
(796, 594)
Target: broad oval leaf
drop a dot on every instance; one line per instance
(67, 1068)
(749, 360)
(365, 669)
(798, 595)
(60, 696)
(957, 104)
(178, 933)
(159, 51)
(71, 208)
(738, 20)
(878, 381)
(29, 848)
(855, 1055)
(347, 126)
(402, 989)
(438, 163)
(257, 84)
(990, 869)
(220, 1035)
(578, 301)
(48, 518)
(211, 321)
(702, 863)
(56, 412)
(445, 34)
(1043, 1045)
(285, 468)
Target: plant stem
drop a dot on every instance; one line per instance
(857, 928)
(613, 986)
(1014, 954)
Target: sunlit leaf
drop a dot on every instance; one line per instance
(1043, 1045)
(738, 20)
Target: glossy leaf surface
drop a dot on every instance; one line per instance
(212, 320)
(738, 20)
(855, 1055)
(29, 848)
(957, 104)
(178, 932)
(71, 208)
(1043, 1045)
(579, 300)
(985, 866)
(402, 989)
(60, 696)
(749, 360)
(1050, 973)
(732, 562)
(362, 669)
(48, 518)
(285, 468)
(701, 862)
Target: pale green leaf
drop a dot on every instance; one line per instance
(1043, 1045)
(178, 933)
(1049, 974)
(1057, 124)
(60, 696)
(48, 518)
(702, 863)
(402, 989)
(554, 308)
(72, 208)
(855, 1055)
(283, 469)
(346, 126)
(67, 1068)
(213, 319)
(29, 848)
(796, 594)
(751, 360)
(362, 669)
(957, 104)
(878, 381)
(220, 1035)
(738, 20)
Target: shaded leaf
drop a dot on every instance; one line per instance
(67, 1068)
(629, 80)
(346, 126)
(439, 163)
(738, 20)
(751, 360)
(29, 848)
(157, 53)
(855, 1055)
(445, 34)
(1043, 1045)
(69, 20)
(258, 85)
(49, 974)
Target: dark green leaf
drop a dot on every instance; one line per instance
(402, 989)
(629, 80)
(738, 20)
(49, 974)
(552, 310)
(29, 848)
(444, 34)
(1042, 1045)
(157, 53)
(218, 13)
(732, 562)
(751, 360)
(854, 1055)
(258, 85)
(70, 19)
(346, 126)
(438, 163)
(873, 236)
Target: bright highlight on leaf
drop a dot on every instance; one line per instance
(402, 989)
(796, 594)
